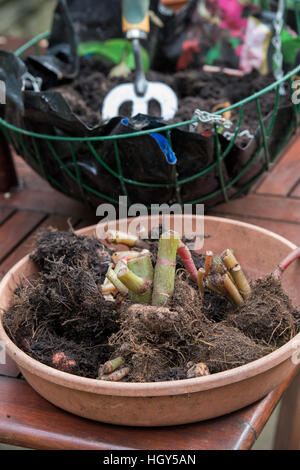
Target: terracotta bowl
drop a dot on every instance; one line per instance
(181, 401)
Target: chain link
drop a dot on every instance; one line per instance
(205, 116)
(229, 135)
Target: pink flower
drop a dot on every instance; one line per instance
(231, 16)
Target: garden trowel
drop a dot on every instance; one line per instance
(136, 25)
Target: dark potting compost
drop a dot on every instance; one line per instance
(194, 89)
(64, 319)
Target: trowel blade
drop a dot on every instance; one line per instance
(157, 91)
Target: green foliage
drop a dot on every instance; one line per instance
(267, 4)
(213, 54)
(290, 47)
(113, 51)
(235, 42)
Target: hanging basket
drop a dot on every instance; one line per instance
(229, 173)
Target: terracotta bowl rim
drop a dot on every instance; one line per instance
(147, 389)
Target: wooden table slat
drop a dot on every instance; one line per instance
(36, 194)
(5, 213)
(56, 221)
(284, 175)
(296, 191)
(9, 369)
(264, 207)
(16, 228)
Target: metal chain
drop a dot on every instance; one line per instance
(229, 135)
(276, 41)
(206, 117)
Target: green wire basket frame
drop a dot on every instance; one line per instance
(37, 160)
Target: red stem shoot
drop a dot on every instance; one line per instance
(290, 258)
(186, 257)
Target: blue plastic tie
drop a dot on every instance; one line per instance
(162, 142)
(165, 148)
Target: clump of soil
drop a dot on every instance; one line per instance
(64, 311)
(153, 339)
(195, 89)
(268, 314)
(157, 339)
(73, 250)
(62, 319)
(227, 347)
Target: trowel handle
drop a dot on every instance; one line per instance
(135, 15)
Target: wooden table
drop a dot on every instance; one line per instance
(28, 420)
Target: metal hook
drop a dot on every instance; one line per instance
(35, 82)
